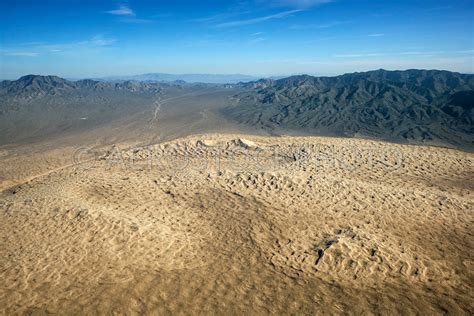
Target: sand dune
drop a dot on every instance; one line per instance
(238, 223)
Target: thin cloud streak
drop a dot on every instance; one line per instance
(318, 26)
(421, 53)
(221, 16)
(411, 54)
(21, 54)
(127, 15)
(99, 40)
(32, 49)
(376, 35)
(300, 4)
(357, 55)
(122, 10)
(259, 19)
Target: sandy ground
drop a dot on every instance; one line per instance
(237, 224)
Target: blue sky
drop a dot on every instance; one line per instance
(77, 39)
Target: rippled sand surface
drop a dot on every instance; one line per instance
(234, 224)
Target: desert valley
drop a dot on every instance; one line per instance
(304, 195)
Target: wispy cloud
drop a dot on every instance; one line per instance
(256, 34)
(421, 53)
(223, 16)
(21, 54)
(127, 15)
(34, 49)
(258, 19)
(318, 26)
(357, 55)
(94, 42)
(236, 14)
(376, 35)
(122, 10)
(99, 40)
(300, 4)
(402, 54)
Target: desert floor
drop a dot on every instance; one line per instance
(226, 223)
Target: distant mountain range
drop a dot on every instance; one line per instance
(37, 106)
(191, 78)
(414, 105)
(37, 86)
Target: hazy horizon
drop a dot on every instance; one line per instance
(256, 76)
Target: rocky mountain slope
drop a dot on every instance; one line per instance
(31, 86)
(42, 105)
(35, 108)
(427, 106)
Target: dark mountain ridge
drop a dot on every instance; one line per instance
(37, 86)
(422, 106)
(37, 106)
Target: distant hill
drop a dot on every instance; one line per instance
(191, 78)
(427, 106)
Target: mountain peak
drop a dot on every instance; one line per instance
(49, 78)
